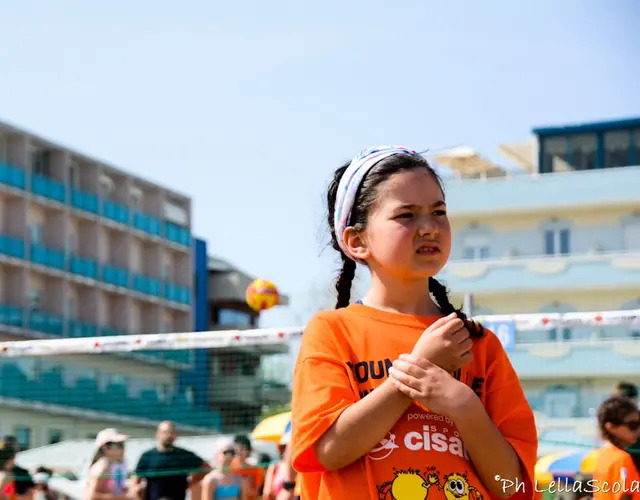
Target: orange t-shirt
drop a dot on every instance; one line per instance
(10, 491)
(253, 473)
(346, 353)
(615, 475)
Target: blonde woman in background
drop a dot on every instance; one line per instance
(107, 474)
(223, 483)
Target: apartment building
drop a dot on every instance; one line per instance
(559, 235)
(89, 250)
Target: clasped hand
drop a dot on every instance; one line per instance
(425, 374)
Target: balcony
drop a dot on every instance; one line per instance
(12, 176)
(84, 201)
(11, 247)
(177, 234)
(99, 393)
(48, 188)
(44, 322)
(79, 329)
(115, 276)
(146, 285)
(243, 389)
(83, 267)
(531, 193)
(147, 224)
(605, 358)
(48, 257)
(275, 393)
(11, 315)
(175, 293)
(542, 273)
(115, 212)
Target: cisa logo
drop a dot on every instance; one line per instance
(385, 447)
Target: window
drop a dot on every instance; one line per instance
(71, 307)
(635, 146)
(631, 236)
(73, 175)
(476, 248)
(33, 299)
(72, 242)
(552, 148)
(35, 231)
(616, 149)
(23, 436)
(584, 152)
(235, 318)
(563, 334)
(55, 436)
(41, 163)
(556, 241)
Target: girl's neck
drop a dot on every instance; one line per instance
(401, 297)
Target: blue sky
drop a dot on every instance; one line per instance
(249, 106)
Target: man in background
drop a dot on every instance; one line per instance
(168, 470)
(630, 391)
(22, 480)
(253, 473)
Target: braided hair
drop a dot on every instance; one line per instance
(364, 201)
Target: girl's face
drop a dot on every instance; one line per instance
(629, 431)
(226, 456)
(114, 452)
(408, 236)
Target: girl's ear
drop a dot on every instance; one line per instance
(356, 243)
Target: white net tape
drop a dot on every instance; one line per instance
(265, 336)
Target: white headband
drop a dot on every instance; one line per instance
(350, 182)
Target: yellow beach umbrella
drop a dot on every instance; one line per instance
(542, 474)
(589, 462)
(273, 428)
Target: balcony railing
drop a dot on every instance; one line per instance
(87, 393)
(91, 269)
(55, 325)
(543, 272)
(11, 176)
(593, 358)
(530, 193)
(88, 202)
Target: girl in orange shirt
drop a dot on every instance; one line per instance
(615, 476)
(399, 396)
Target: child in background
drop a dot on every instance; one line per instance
(615, 475)
(399, 396)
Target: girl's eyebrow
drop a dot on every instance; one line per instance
(411, 206)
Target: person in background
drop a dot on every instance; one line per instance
(7, 456)
(619, 423)
(224, 483)
(264, 459)
(107, 479)
(280, 479)
(168, 470)
(23, 481)
(253, 473)
(630, 391)
(41, 481)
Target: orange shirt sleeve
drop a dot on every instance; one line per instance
(509, 410)
(321, 391)
(622, 478)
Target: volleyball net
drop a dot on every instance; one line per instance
(210, 382)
